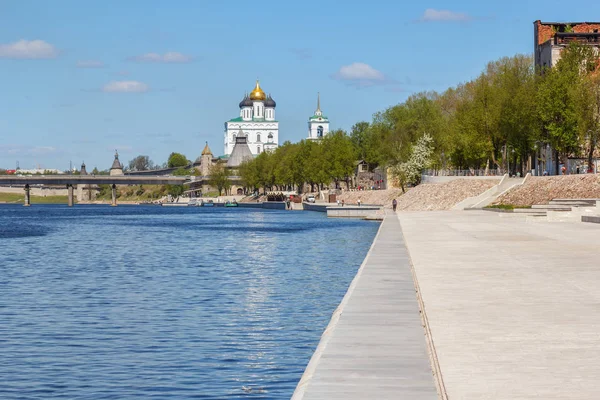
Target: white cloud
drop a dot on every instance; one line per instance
(172, 57)
(28, 49)
(359, 71)
(433, 15)
(361, 75)
(90, 64)
(125, 87)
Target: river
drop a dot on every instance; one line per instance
(134, 302)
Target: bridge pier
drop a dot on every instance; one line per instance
(114, 195)
(27, 196)
(70, 195)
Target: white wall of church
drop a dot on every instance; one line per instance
(253, 131)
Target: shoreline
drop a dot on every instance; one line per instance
(374, 345)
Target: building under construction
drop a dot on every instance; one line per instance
(550, 38)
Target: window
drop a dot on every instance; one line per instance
(234, 136)
(258, 137)
(257, 149)
(319, 131)
(270, 137)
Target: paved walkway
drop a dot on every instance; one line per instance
(513, 307)
(375, 346)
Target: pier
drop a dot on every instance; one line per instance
(375, 346)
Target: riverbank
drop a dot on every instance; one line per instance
(15, 198)
(374, 346)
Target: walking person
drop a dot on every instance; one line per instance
(358, 201)
(394, 204)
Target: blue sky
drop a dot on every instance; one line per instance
(80, 79)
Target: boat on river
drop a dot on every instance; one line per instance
(231, 204)
(207, 203)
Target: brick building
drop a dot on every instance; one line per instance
(550, 38)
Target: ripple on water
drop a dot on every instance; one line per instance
(134, 302)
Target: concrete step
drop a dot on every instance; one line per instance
(553, 207)
(584, 202)
(529, 211)
(595, 219)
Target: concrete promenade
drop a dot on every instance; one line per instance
(513, 307)
(375, 346)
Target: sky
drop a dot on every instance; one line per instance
(79, 80)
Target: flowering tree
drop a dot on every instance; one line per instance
(409, 172)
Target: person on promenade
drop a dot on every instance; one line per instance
(394, 204)
(358, 201)
(342, 203)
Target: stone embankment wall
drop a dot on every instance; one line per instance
(266, 205)
(380, 197)
(542, 189)
(443, 196)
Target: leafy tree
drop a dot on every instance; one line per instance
(181, 171)
(177, 160)
(339, 155)
(141, 163)
(174, 190)
(588, 105)
(409, 172)
(219, 177)
(557, 95)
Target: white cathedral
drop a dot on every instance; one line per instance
(257, 122)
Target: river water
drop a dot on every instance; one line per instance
(135, 302)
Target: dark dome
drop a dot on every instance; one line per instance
(246, 102)
(269, 102)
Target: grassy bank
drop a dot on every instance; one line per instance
(20, 198)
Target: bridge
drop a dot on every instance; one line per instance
(70, 180)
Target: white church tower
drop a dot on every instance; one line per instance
(318, 124)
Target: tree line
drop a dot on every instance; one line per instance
(499, 120)
(291, 165)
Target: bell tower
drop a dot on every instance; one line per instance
(318, 124)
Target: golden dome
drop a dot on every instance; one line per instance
(257, 93)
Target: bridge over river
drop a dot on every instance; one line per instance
(70, 180)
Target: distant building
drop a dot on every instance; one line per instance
(256, 121)
(550, 38)
(201, 184)
(318, 124)
(117, 167)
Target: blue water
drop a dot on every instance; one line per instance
(134, 302)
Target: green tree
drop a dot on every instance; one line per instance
(174, 190)
(141, 163)
(340, 157)
(182, 171)
(177, 160)
(219, 177)
(588, 105)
